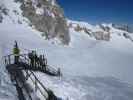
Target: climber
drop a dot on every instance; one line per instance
(36, 59)
(16, 52)
(44, 62)
(59, 72)
(41, 61)
(31, 58)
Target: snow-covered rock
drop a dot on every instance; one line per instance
(100, 32)
(124, 27)
(46, 16)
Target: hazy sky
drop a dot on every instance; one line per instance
(97, 11)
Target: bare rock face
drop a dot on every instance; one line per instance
(123, 27)
(3, 11)
(47, 17)
(102, 35)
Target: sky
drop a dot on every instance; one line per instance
(99, 11)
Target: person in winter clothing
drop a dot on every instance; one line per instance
(31, 57)
(36, 60)
(44, 62)
(41, 61)
(16, 52)
(59, 72)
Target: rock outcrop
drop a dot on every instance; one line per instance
(3, 11)
(123, 27)
(103, 32)
(47, 17)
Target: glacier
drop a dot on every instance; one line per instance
(92, 69)
(95, 70)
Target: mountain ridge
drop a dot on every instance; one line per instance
(100, 31)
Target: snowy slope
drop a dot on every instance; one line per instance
(84, 57)
(88, 88)
(92, 69)
(7, 90)
(99, 32)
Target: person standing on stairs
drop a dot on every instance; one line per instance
(36, 64)
(41, 61)
(31, 58)
(16, 53)
(44, 62)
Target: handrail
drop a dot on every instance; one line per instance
(39, 82)
(38, 86)
(13, 55)
(47, 66)
(24, 59)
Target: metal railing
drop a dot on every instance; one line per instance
(23, 58)
(28, 74)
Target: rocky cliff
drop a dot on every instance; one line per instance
(46, 16)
